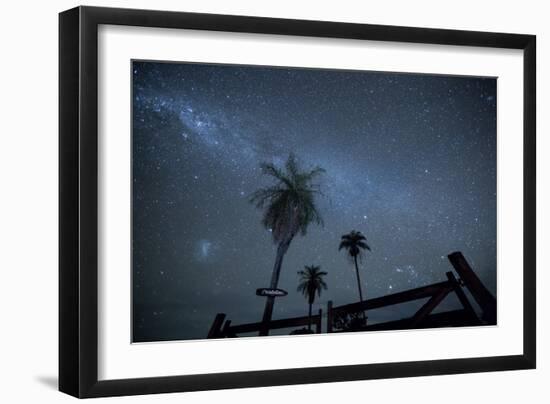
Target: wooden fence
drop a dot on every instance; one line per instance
(423, 318)
(222, 328)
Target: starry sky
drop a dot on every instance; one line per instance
(410, 162)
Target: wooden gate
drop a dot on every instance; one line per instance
(423, 318)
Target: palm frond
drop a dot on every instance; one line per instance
(264, 195)
(363, 245)
(290, 203)
(292, 165)
(275, 172)
(311, 282)
(354, 242)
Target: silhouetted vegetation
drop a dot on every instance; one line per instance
(289, 208)
(350, 321)
(311, 284)
(354, 243)
(301, 331)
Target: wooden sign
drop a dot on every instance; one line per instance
(271, 292)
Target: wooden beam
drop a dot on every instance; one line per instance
(463, 298)
(214, 331)
(453, 318)
(274, 324)
(481, 294)
(395, 298)
(429, 306)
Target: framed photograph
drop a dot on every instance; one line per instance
(251, 201)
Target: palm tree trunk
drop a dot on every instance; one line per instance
(359, 284)
(309, 323)
(268, 310)
(358, 279)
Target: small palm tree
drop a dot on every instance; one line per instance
(354, 242)
(289, 208)
(311, 283)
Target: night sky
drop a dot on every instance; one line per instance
(410, 162)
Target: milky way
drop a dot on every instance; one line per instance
(410, 161)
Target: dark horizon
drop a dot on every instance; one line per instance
(410, 162)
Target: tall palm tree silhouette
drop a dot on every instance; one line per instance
(311, 283)
(354, 242)
(289, 208)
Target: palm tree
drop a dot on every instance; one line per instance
(311, 282)
(289, 208)
(354, 242)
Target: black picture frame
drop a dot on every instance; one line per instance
(78, 201)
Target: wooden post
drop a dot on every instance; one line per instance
(318, 325)
(225, 329)
(214, 331)
(462, 297)
(329, 316)
(481, 294)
